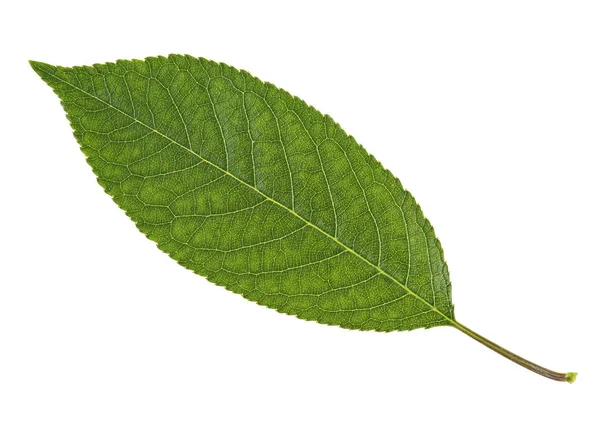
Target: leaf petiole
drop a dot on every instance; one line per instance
(561, 377)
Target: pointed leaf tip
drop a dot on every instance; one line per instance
(40, 67)
(35, 64)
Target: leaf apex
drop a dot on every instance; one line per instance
(35, 63)
(40, 68)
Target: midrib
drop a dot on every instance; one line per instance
(308, 223)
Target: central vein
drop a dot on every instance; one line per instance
(225, 171)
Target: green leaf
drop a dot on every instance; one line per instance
(250, 187)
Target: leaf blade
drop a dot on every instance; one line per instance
(343, 242)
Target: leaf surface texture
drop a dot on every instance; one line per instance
(250, 187)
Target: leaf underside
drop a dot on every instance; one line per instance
(250, 187)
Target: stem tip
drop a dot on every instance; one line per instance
(570, 377)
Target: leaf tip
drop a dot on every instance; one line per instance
(40, 67)
(34, 63)
(570, 377)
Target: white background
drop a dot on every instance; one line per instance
(489, 113)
